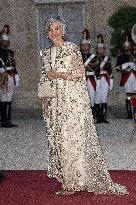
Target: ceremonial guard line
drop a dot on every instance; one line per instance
(99, 77)
(9, 78)
(126, 64)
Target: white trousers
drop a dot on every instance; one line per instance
(130, 85)
(91, 92)
(7, 96)
(102, 89)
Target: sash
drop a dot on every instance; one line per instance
(2, 62)
(104, 61)
(2, 70)
(106, 77)
(124, 78)
(92, 80)
(89, 59)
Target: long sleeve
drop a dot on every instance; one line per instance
(43, 77)
(76, 63)
(45, 66)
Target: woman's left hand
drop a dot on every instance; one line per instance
(54, 75)
(51, 74)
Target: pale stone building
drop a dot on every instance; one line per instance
(27, 19)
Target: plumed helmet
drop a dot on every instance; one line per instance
(85, 41)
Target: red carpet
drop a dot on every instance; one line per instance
(35, 188)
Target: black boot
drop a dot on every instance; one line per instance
(129, 109)
(93, 111)
(98, 113)
(3, 114)
(104, 112)
(9, 122)
(6, 115)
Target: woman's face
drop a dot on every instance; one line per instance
(55, 33)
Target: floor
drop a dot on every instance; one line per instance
(24, 148)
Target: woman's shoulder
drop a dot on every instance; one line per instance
(70, 45)
(46, 50)
(70, 48)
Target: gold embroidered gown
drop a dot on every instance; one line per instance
(75, 156)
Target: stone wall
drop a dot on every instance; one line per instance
(22, 17)
(98, 13)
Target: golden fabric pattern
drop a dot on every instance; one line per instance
(75, 156)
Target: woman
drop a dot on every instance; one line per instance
(74, 151)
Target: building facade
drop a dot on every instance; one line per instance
(27, 19)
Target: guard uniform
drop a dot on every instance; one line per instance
(7, 63)
(104, 85)
(127, 66)
(89, 60)
(91, 78)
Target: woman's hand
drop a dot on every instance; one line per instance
(51, 74)
(59, 75)
(64, 75)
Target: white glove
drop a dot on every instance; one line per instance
(17, 80)
(2, 70)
